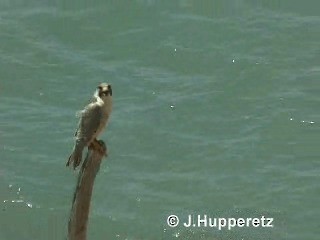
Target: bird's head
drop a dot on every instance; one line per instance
(104, 91)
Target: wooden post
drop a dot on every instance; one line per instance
(77, 227)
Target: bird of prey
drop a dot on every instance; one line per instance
(93, 119)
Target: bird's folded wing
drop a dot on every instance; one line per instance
(89, 122)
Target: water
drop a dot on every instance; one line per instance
(214, 113)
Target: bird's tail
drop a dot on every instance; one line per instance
(76, 156)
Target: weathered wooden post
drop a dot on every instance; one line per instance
(78, 220)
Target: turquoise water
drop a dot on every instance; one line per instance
(215, 112)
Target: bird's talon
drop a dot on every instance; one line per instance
(99, 146)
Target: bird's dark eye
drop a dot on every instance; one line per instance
(110, 90)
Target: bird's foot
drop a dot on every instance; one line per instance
(99, 146)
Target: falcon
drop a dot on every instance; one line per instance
(93, 120)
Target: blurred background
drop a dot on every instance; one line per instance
(215, 112)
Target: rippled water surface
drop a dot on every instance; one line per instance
(215, 112)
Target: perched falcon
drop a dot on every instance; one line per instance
(93, 119)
